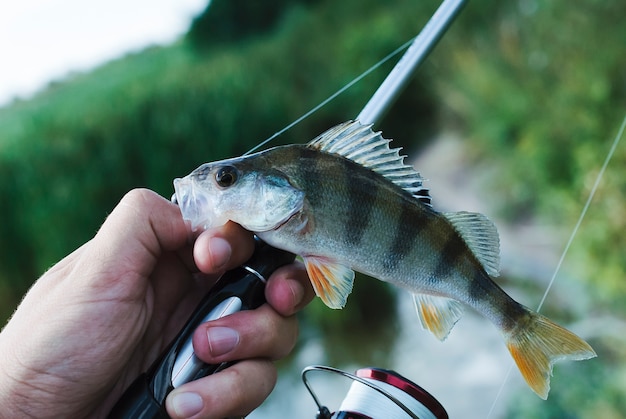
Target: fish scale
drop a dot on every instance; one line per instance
(347, 202)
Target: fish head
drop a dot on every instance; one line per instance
(241, 190)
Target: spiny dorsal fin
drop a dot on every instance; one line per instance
(360, 144)
(481, 236)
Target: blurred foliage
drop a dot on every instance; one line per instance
(537, 87)
(368, 319)
(228, 21)
(69, 155)
(542, 87)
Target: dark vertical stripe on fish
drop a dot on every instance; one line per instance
(450, 257)
(403, 239)
(361, 198)
(477, 291)
(313, 175)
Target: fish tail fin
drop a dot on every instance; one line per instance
(537, 343)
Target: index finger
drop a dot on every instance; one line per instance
(289, 289)
(222, 248)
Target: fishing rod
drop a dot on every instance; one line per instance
(243, 288)
(401, 74)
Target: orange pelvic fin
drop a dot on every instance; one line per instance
(537, 343)
(331, 281)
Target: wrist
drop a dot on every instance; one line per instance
(12, 397)
(27, 392)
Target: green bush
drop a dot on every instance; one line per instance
(71, 153)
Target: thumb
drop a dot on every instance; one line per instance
(138, 231)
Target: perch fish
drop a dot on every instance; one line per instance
(346, 202)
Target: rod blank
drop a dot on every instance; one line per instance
(400, 75)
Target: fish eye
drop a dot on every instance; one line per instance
(226, 176)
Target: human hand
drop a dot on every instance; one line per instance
(102, 315)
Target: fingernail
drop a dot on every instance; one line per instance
(220, 252)
(222, 340)
(187, 404)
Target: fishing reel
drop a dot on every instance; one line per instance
(378, 394)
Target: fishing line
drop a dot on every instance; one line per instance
(583, 213)
(333, 96)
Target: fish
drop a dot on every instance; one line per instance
(347, 202)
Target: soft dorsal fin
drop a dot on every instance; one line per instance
(360, 144)
(481, 236)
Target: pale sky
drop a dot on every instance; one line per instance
(43, 40)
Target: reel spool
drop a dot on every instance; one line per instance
(379, 394)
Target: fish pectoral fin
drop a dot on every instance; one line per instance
(481, 237)
(331, 281)
(537, 344)
(437, 314)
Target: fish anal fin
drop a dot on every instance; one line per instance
(331, 281)
(481, 237)
(538, 344)
(437, 314)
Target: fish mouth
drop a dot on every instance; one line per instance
(196, 205)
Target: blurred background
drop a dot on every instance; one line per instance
(512, 115)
